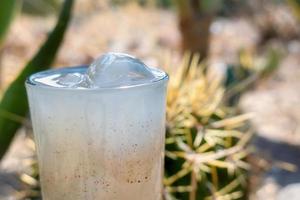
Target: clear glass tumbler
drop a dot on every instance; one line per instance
(101, 143)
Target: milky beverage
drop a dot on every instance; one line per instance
(100, 130)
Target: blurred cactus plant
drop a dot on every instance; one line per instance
(295, 5)
(41, 7)
(248, 72)
(206, 143)
(13, 105)
(7, 10)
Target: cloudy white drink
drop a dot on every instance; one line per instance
(100, 131)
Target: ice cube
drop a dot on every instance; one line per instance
(117, 69)
(70, 80)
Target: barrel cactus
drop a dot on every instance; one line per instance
(206, 144)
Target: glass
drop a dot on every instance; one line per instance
(103, 143)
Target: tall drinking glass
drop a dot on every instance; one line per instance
(98, 143)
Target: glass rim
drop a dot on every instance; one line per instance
(30, 82)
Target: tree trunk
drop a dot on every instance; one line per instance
(194, 26)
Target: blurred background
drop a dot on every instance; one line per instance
(253, 44)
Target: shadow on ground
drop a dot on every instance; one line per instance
(9, 184)
(279, 151)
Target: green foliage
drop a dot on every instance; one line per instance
(295, 5)
(7, 10)
(211, 5)
(165, 3)
(40, 7)
(248, 72)
(158, 3)
(14, 105)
